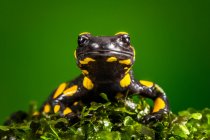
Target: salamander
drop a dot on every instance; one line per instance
(106, 67)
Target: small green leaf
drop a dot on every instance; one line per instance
(196, 116)
(123, 109)
(172, 138)
(185, 113)
(184, 129)
(4, 128)
(107, 125)
(181, 130)
(128, 121)
(95, 106)
(104, 96)
(208, 118)
(54, 131)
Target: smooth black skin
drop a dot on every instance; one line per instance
(105, 76)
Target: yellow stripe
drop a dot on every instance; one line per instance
(126, 62)
(67, 111)
(123, 33)
(85, 72)
(59, 90)
(84, 33)
(75, 54)
(70, 91)
(56, 108)
(158, 88)
(87, 83)
(111, 59)
(75, 103)
(158, 104)
(146, 83)
(36, 113)
(86, 60)
(125, 81)
(47, 108)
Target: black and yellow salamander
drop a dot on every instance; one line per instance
(105, 62)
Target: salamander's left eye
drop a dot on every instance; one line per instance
(83, 39)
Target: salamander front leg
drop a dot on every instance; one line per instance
(65, 101)
(160, 108)
(153, 91)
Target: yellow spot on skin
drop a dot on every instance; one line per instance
(56, 108)
(84, 33)
(126, 62)
(123, 33)
(70, 91)
(146, 83)
(36, 113)
(75, 54)
(111, 59)
(85, 72)
(125, 81)
(125, 68)
(158, 104)
(87, 83)
(75, 103)
(47, 108)
(67, 111)
(59, 90)
(119, 95)
(86, 60)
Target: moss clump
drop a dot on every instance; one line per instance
(111, 121)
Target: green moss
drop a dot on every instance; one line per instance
(111, 121)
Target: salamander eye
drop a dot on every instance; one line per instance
(125, 38)
(83, 39)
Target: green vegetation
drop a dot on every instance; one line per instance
(111, 121)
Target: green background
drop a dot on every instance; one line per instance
(37, 40)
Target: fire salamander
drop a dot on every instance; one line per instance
(105, 62)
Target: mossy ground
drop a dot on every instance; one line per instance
(111, 121)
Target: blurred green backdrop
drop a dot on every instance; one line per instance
(37, 40)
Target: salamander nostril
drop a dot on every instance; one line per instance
(95, 45)
(111, 46)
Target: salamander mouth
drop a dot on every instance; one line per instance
(106, 53)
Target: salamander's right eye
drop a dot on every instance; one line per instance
(83, 38)
(125, 38)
